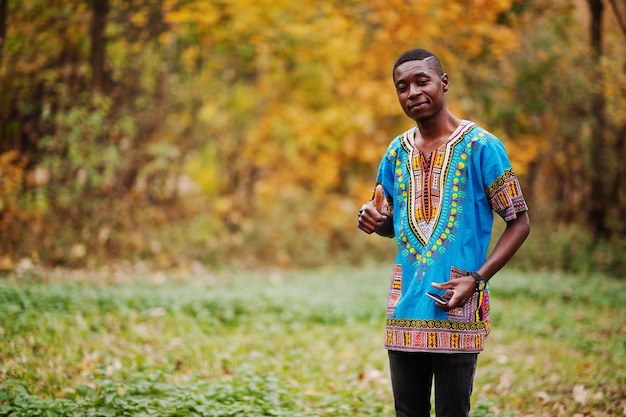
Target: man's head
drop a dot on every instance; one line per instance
(420, 85)
(419, 55)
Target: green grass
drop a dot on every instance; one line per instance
(306, 343)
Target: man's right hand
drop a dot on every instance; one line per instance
(370, 216)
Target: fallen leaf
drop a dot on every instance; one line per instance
(543, 396)
(580, 394)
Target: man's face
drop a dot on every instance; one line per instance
(420, 89)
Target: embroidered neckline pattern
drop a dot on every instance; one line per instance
(425, 188)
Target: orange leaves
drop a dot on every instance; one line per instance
(310, 101)
(12, 166)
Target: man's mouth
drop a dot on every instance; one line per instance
(417, 105)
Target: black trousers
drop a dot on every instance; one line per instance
(412, 377)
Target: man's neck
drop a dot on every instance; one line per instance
(434, 129)
(433, 133)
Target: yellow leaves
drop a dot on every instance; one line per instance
(319, 97)
(203, 13)
(203, 170)
(298, 100)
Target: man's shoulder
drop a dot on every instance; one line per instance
(481, 136)
(476, 130)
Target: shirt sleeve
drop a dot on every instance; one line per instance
(501, 185)
(386, 173)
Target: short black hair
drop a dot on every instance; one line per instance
(419, 55)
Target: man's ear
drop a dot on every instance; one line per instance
(446, 84)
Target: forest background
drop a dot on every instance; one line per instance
(248, 132)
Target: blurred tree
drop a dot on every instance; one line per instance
(82, 129)
(605, 210)
(280, 112)
(563, 105)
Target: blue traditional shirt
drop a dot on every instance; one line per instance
(443, 215)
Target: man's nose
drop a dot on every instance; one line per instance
(414, 91)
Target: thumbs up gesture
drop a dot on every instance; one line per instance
(375, 214)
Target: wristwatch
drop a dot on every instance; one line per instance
(480, 282)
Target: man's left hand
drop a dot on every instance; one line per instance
(463, 288)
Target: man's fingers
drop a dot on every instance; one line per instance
(370, 219)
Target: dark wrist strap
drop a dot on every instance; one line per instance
(480, 282)
(477, 276)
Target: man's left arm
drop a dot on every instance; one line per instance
(514, 235)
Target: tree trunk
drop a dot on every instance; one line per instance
(3, 24)
(599, 170)
(98, 44)
(596, 8)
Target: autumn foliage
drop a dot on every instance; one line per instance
(249, 132)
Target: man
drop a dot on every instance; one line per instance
(438, 185)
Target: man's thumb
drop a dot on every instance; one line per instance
(379, 198)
